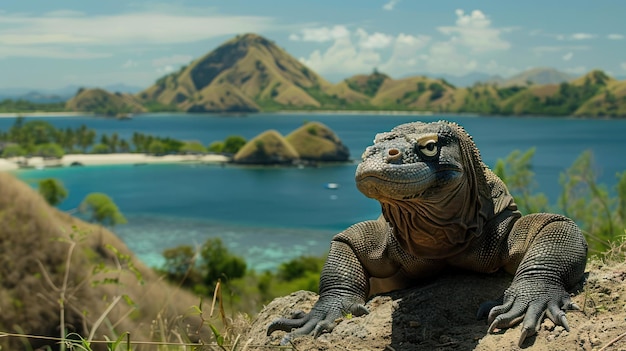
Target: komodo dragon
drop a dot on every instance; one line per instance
(442, 206)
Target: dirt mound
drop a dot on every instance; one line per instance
(441, 315)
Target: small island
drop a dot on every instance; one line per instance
(308, 145)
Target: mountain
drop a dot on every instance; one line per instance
(246, 74)
(466, 80)
(538, 76)
(102, 102)
(250, 73)
(59, 95)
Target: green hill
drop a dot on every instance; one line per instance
(102, 102)
(250, 73)
(245, 74)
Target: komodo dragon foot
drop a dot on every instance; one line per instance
(321, 319)
(528, 301)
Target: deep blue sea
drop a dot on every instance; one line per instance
(269, 215)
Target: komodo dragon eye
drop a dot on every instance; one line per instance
(428, 145)
(430, 149)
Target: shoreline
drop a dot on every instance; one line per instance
(45, 114)
(73, 160)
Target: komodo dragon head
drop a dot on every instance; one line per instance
(430, 182)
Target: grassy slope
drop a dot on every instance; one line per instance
(250, 73)
(267, 147)
(315, 141)
(103, 102)
(32, 233)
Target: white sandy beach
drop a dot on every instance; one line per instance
(44, 114)
(108, 159)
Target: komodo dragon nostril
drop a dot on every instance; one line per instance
(393, 154)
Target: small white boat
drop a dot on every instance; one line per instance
(332, 186)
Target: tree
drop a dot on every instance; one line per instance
(100, 208)
(13, 150)
(180, 265)
(193, 147)
(516, 172)
(100, 149)
(202, 270)
(156, 147)
(590, 204)
(49, 150)
(52, 190)
(216, 146)
(85, 137)
(217, 263)
(233, 143)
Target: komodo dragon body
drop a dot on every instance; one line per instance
(442, 206)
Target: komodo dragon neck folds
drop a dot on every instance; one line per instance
(441, 206)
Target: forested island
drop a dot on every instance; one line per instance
(250, 73)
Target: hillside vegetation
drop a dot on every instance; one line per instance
(312, 142)
(59, 272)
(250, 73)
(102, 102)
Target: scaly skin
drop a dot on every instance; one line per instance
(441, 206)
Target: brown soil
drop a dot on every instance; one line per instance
(441, 315)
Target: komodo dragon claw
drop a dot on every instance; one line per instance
(528, 302)
(320, 320)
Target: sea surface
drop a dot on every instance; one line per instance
(269, 214)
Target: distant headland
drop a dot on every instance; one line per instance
(250, 73)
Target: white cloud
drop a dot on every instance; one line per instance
(623, 66)
(568, 56)
(70, 30)
(444, 57)
(172, 60)
(322, 34)
(576, 70)
(54, 52)
(374, 41)
(582, 36)
(505, 71)
(540, 50)
(169, 64)
(615, 36)
(474, 31)
(165, 69)
(390, 5)
(343, 57)
(357, 51)
(130, 64)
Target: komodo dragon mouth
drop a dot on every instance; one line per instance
(386, 184)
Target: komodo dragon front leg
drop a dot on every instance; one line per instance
(547, 253)
(367, 249)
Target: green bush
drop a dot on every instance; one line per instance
(52, 190)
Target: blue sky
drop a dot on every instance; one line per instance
(51, 44)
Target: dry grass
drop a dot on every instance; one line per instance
(39, 277)
(91, 99)
(315, 141)
(267, 147)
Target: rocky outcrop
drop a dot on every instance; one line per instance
(316, 142)
(441, 315)
(267, 148)
(102, 102)
(313, 142)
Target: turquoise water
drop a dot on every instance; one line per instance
(269, 215)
